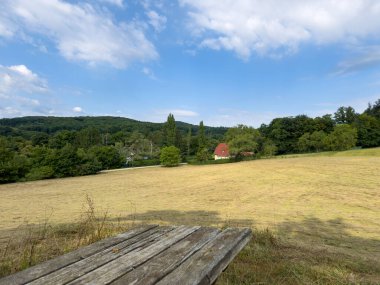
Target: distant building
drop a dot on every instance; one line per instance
(222, 152)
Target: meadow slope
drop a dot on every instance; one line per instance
(329, 201)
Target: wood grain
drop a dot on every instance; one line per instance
(206, 265)
(80, 268)
(163, 264)
(126, 263)
(145, 255)
(49, 266)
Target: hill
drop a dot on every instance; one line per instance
(29, 126)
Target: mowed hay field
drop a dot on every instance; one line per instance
(328, 202)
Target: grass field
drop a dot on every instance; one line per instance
(324, 209)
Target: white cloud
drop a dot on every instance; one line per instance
(148, 72)
(233, 117)
(324, 108)
(158, 22)
(119, 3)
(158, 4)
(7, 112)
(273, 27)
(23, 70)
(161, 115)
(177, 113)
(18, 78)
(6, 28)
(366, 57)
(183, 113)
(77, 110)
(19, 87)
(80, 32)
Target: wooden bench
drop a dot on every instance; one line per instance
(144, 255)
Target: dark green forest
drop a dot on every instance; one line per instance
(33, 148)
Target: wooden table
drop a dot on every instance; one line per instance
(144, 255)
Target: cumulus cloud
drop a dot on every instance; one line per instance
(273, 27)
(19, 78)
(80, 32)
(19, 87)
(157, 21)
(77, 110)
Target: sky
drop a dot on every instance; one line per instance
(225, 62)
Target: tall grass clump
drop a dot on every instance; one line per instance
(31, 244)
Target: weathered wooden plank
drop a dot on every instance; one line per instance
(205, 266)
(118, 267)
(77, 269)
(161, 265)
(49, 266)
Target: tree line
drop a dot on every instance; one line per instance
(342, 130)
(34, 148)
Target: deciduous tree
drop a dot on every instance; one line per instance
(345, 115)
(242, 139)
(343, 137)
(170, 156)
(368, 130)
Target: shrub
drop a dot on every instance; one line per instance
(314, 142)
(269, 149)
(203, 154)
(108, 156)
(343, 137)
(170, 156)
(42, 172)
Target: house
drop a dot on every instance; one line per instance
(222, 152)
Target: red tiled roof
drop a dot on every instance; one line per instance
(222, 150)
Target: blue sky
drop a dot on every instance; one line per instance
(221, 61)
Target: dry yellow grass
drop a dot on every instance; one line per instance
(333, 202)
